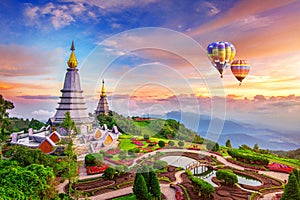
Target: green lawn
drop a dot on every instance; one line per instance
(127, 197)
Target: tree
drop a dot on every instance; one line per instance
(291, 190)
(154, 185)
(4, 120)
(228, 144)
(146, 175)
(161, 144)
(181, 143)
(110, 172)
(68, 123)
(160, 164)
(256, 148)
(140, 188)
(171, 143)
(216, 147)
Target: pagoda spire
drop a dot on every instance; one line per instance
(102, 107)
(72, 62)
(103, 93)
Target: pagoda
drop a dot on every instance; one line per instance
(102, 107)
(72, 99)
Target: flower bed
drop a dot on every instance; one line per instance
(245, 165)
(178, 192)
(113, 151)
(138, 143)
(120, 162)
(96, 169)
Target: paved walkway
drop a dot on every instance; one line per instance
(269, 196)
(165, 188)
(60, 187)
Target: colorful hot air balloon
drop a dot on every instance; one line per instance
(221, 55)
(240, 69)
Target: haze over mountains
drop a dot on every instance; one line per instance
(240, 133)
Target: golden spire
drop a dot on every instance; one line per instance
(72, 62)
(103, 93)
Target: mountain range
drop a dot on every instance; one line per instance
(238, 132)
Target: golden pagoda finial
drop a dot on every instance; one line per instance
(103, 93)
(72, 62)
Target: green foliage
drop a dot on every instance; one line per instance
(181, 143)
(110, 172)
(31, 182)
(256, 148)
(36, 124)
(4, 120)
(160, 164)
(245, 147)
(140, 188)
(248, 158)
(145, 174)
(171, 143)
(146, 137)
(228, 176)
(125, 125)
(161, 144)
(212, 146)
(154, 185)
(228, 144)
(68, 123)
(292, 189)
(121, 169)
(122, 154)
(202, 187)
(93, 159)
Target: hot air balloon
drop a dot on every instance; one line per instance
(221, 55)
(240, 69)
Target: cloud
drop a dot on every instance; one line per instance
(39, 97)
(114, 5)
(59, 15)
(42, 114)
(27, 61)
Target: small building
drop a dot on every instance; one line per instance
(42, 139)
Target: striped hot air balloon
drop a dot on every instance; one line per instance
(221, 55)
(240, 69)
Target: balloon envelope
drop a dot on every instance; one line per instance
(221, 55)
(240, 69)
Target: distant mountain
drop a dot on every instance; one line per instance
(239, 133)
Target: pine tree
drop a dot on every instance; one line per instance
(155, 186)
(145, 173)
(291, 190)
(140, 189)
(228, 144)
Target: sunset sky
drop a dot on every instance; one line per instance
(158, 69)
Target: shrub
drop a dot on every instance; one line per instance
(110, 172)
(89, 159)
(171, 143)
(228, 176)
(181, 143)
(161, 144)
(146, 137)
(247, 158)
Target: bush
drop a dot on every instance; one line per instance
(89, 159)
(228, 176)
(247, 158)
(202, 187)
(181, 143)
(161, 144)
(146, 137)
(110, 172)
(171, 143)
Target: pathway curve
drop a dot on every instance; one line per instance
(269, 196)
(276, 175)
(61, 186)
(165, 188)
(178, 177)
